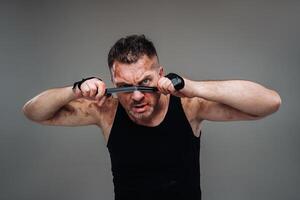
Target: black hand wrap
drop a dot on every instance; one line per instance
(176, 80)
(78, 83)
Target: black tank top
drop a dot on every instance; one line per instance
(160, 162)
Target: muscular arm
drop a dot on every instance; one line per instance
(231, 100)
(59, 106)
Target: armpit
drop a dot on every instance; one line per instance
(191, 109)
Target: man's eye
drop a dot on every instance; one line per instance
(145, 82)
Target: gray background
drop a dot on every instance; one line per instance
(46, 44)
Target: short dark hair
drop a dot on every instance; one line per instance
(129, 49)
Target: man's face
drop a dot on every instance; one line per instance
(145, 72)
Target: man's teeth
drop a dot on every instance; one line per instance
(139, 106)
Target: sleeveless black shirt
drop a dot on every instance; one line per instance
(160, 162)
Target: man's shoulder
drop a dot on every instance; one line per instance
(108, 107)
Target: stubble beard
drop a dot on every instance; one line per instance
(142, 116)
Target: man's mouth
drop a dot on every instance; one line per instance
(139, 108)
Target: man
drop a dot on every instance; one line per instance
(153, 136)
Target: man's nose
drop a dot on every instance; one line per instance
(137, 95)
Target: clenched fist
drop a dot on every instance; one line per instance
(92, 89)
(172, 84)
(165, 86)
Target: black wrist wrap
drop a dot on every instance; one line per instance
(176, 80)
(78, 83)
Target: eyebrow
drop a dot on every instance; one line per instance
(149, 76)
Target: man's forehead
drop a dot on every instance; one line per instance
(143, 62)
(143, 67)
(136, 77)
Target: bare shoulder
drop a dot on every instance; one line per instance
(105, 110)
(105, 113)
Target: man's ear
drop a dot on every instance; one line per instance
(112, 80)
(111, 77)
(112, 73)
(161, 71)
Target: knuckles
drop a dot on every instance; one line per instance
(93, 88)
(165, 86)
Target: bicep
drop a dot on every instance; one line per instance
(75, 113)
(214, 111)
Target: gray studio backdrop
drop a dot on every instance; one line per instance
(46, 44)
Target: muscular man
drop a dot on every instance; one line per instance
(152, 137)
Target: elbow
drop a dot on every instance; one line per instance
(276, 103)
(25, 110)
(273, 105)
(28, 111)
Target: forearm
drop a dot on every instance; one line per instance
(46, 104)
(246, 96)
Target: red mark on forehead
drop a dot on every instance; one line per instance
(134, 72)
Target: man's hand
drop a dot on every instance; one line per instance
(166, 86)
(92, 89)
